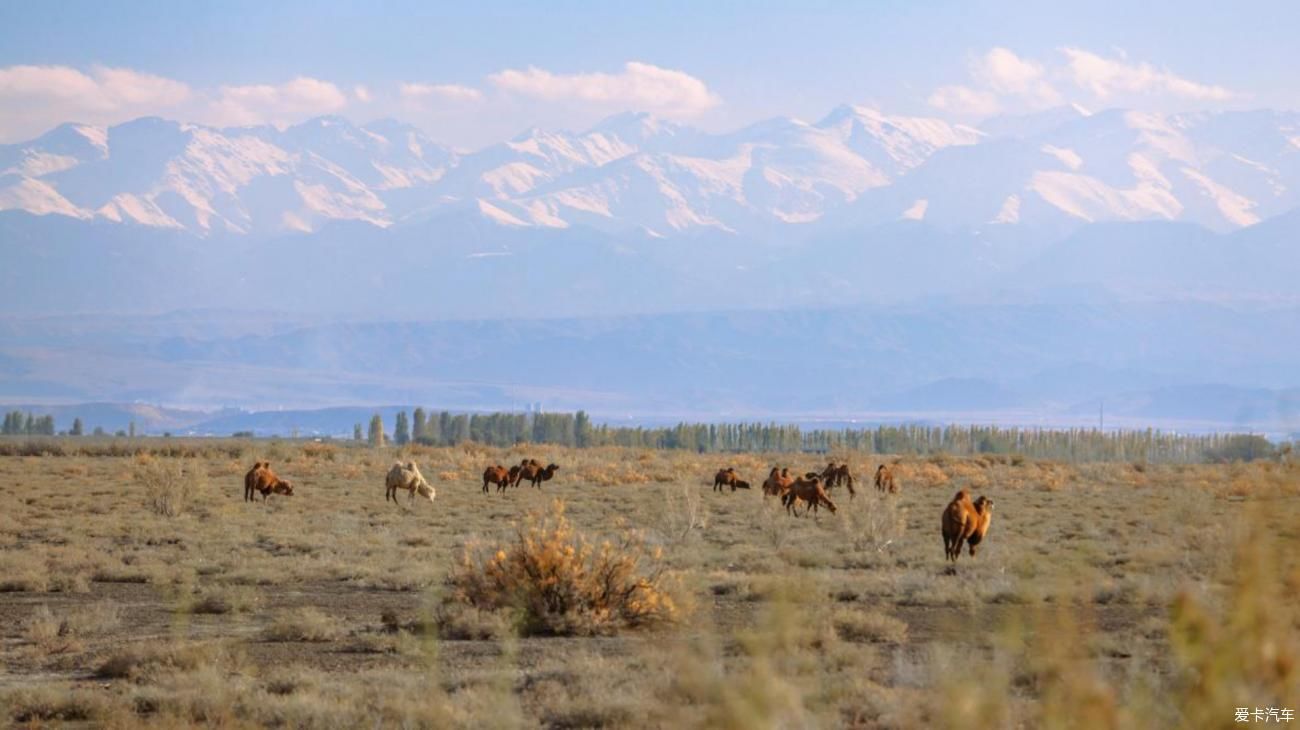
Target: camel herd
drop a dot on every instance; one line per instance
(528, 470)
(964, 522)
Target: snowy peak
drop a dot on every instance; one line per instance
(636, 172)
(894, 144)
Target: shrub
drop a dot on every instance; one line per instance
(559, 583)
(869, 627)
(167, 484)
(305, 624)
(222, 600)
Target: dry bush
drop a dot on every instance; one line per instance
(36, 706)
(303, 624)
(559, 583)
(909, 474)
(1247, 652)
(682, 513)
(869, 627)
(168, 484)
(222, 600)
(50, 635)
(873, 523)
(148, 662)
(324, 452)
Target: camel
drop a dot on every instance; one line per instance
(728, 478)
(261, 479)
(885, 479)
(807, 489)
(836, 474)
(496, 475)
(778, 483)
(530, 470)
(983, 506)
(959, 522)
(406, 476)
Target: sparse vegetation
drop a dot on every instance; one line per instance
(167, 484)
(560, 583)
(1166, 602)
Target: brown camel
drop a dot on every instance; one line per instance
(531, 471)
(261, 479)
(725, 478)
(959, 522)
(497, 475)
(807, 489)
(983, 506)
(778, 483)
(836, 474)
(885, 479)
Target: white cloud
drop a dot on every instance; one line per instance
(964, 101)
(275, 104)
(640, 87)
(361, 94)
(447, 92)
(1108, 77)
(36, 98)
(1006, 73)
(1003, 81)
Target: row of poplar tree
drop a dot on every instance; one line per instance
(576, 429)
(17, 423)
(495, 429)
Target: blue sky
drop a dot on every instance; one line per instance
(470, 73)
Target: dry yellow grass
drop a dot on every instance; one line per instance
(331, 608)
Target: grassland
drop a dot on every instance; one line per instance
(142, 589)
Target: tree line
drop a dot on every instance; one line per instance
(577, 430)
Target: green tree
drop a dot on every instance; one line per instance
(131, 430)
(76, 427)
(582, 429)
(376, 430)
(419, 425)
(356, 432)
(99, 431)
(402, 430)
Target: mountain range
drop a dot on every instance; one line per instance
(863, 264)
(634, 173)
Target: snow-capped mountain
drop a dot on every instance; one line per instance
(636, 173)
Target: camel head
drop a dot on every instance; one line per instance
(984, 505)
(283, 487)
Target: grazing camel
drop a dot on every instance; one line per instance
(959, 522)
(807, 489)
(983, 506)
(261, 479)
(885, 479)
(778, 483)
(250, 479)
(836, 474)
(406, 476)
(496, 475)
(530, 470)
(728, 478)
